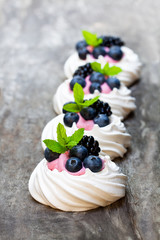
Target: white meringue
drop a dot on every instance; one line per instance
(113, 138)
(130, 65)
(120, 100)
(61, 190)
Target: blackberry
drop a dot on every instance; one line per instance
(109, 41)
(84, 71)
(102, 107)
(91, 145)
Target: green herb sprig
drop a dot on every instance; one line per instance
(79, 100)
(63, 142)
(91, 39)
(106, 70)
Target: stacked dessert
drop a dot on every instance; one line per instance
(77, 173)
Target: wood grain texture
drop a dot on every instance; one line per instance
(36, 37)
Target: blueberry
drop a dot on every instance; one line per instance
(80, 45)
(82, 53)
(94, 163)
(49, 155)
(97, 77)
(113, 82)
(97, 51)
(88, 113)
(79, 151)
(64, 111)
(95, 86)
(115, 52)
(70, 118)
(73, 164)
(77, 79)
(102, 120)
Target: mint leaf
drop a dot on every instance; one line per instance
(78, 93)
(96, 67)
(91, 38)
(87, 103)
(114, 71)
(99, 41)
(77, 135)
(105, 69)
(71, 144)
(78, 96)
(64, 143)
(54, 146)
(61, 134)
(71, 107)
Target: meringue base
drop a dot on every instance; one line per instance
(63, 191)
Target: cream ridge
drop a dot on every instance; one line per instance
(113, 138)
(63, 191)
(130, 65)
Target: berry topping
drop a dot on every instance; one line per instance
(49, 155)
(73, 164)
(91, 145)
(77, 79)
(95, 45)
(95, 86)
(113, 82)
(80, 103)
(79, 151)
(82, 52)
(97, 51)
(80, 45)
(109, 41)
(94, 163)
(64, 111)
(84, 70)
(70, 118)
(88, 113)
(97, 77)
(102, 107)
(102, 120)
(91, 109)
(116, 53)
(106, 70)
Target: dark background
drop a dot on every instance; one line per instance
(36, 37)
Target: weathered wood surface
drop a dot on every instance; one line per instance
(35, 39)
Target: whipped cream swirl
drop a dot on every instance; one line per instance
(130, 65)
(113, 138)
(61, 190)
(120, 100)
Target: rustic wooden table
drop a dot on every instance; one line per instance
(36, 37)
